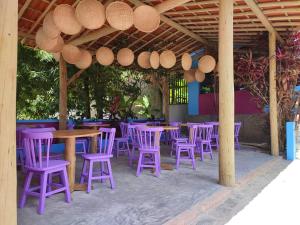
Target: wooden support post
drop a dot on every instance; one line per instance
(226, 94)
(8, 74)
(63, 94)
(273, 95)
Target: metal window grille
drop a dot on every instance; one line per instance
(178, 90)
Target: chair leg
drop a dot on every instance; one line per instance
(90, 174)
(65, 182)
(138, 171)
(201, 151)
(83, 172)
(102, 171)
(210, 150)
(157, 164)
(177, 158)
(192, 157)
(26, 187)
(42, 198)
(112, 183)
(237, 142)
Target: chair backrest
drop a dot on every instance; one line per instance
(215, 125)
(124, 129)
(189, 124)
(153, 123)
(132, 133)
(106, 140)
(204, 132)
(39, 130)
(175, 133)
(37, 148)
(149, 137)
(193, 130)
(237, 127)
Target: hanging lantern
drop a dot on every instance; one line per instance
(189, 76)
(65, 19)
(167, 59)
(71, 53)
(146, 18)
(49, 27)
(119, 15)
(154, 60)
(105, 56)
(206, 64)
(125, 57)
(186, 61)
(48, 44)
(199, 76)
(144, 60)
(56, 56)
(85, 60)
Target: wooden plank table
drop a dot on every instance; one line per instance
(70, 154)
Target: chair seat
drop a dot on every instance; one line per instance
(123, 139)
(52, 164)
(180, 139)
(186, 145)
(96, 156)
(149, 149)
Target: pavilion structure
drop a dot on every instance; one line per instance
(186, 25)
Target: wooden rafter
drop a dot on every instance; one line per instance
(23, 9)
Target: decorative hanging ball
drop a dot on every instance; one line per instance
(71, 53)
(144, 60)
(199, 76)
(65, 19)
(56, 56)
(85, 60)
(167, 59)
(125, 57)
(119, 15)
(206, 64)
(105, 56)
(48, 44)
(189, 76)
(49, 27)
(186, 61)
(154, 60)
(90, 14)
(146, 18)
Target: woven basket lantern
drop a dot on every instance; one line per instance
(154, 60)
(144, 60)
(65, 19)
(48, 44)
(105, 56)
(49, 27)
(199, 76)
(186, 61)
(167, 59)
(146, 18)
(206, 64)
(90, 14)
(125, 57)
(85, 60)
(71, 53)
(56, 56)
(189, 76)
(119, 15)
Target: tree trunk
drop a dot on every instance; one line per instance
(87, 97)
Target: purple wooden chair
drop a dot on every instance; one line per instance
(121, 144)
(188, 148)
(237, 127)
(176, 137)
(215, 134)
(37, 148)
(203, 140)
(134, 142)
(103, 156)
(149, 148)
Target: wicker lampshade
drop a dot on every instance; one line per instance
(189, 76)
(105, 56)
(48, 44)
(146, 18)
(154, 59)
(56, 56)
(186, 61)
(206, 64)
(144, 60)
(49, 27)
(90, 14)
(125, 57)
(199, 76)
(119, 15)
(85, 60)
(71, 53)
(167, 59)
(65, 19)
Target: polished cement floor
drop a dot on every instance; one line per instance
(145, 199)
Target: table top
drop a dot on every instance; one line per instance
(167, 127)
(75, 133)
(94, 125)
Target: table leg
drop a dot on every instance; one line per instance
(94, 144)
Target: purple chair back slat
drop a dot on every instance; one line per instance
(132, 133)
(124, 129)
(106, 137)
(193, 129)
(205, 132)
(149, 137)
(215, 125)
(237, 127)
(175, 133)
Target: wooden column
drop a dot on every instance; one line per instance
(273, 95)
(226, 94)
(8, 74)
(63, 94)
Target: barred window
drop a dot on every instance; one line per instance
(178, 90)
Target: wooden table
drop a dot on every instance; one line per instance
(94, 126)
(70, 154)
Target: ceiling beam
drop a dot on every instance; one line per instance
(23, 9)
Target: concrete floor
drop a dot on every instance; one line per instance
(141, 200)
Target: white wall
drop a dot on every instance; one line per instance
(178, 112)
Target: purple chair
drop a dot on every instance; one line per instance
(134, 142)
(149, 148)
(188, 148)
(176, 137)
(103, 156)
(215, 134)
(237, 127)
(121, 144)
(203, 140)
(37, 148)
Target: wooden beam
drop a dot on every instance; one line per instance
(264, 20)
(169, 4)
(23, 9)
(8, 75)
(226, 94)
(63, 94)
(273, 95)
(75, 77)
